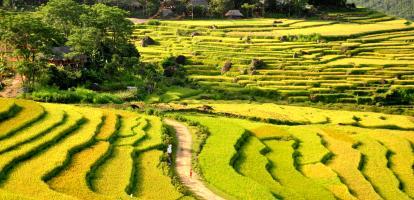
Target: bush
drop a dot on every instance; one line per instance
(79, 95)
(364, 100)
(154, 22)
(397, 96)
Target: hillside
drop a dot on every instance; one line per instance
(360, 57)
(401, 8)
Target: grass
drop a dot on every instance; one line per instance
(77, 153)
(399, 160)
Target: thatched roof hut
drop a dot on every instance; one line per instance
(234, 14)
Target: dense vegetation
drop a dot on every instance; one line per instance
(213, 8)
(65, 45)
(97, 36)
(401, 8)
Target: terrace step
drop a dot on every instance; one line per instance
(282, 155)
(31, 112)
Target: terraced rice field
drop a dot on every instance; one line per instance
(298, 159)
(346, 60)
(51, 151)
(71, 152)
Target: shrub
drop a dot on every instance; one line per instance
(397, 95)
(356, 119)
(79, 95)
(364, 100)
(154, 22)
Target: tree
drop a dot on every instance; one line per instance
(85, 41)
(62, 14)
(219, 7)
(249, 9)
(31, 40)
(114, 26)
(335, 3)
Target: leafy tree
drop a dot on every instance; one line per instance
(112, 22)
(62, 14)
(85, 41)
(335, 3)
(249, 8)
(31, 40)
(150, 79)
(219, 7)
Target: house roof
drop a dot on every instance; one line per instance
(234, 13)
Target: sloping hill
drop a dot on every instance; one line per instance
(362, 57)
(401, 8)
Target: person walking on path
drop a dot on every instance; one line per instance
(169, 152)
(183, 163)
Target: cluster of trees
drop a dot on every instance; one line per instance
(99, 34)
(402, 8)
(146, 8)
(65, 44)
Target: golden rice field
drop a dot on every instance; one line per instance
(56, 151)
(285, 152)
(253, 151)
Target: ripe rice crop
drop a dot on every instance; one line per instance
(217, 157)
(31, 112)
(281, 155)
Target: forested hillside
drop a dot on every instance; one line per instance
(402, 8)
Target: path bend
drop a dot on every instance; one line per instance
(183, 163)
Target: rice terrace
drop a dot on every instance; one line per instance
(206, 99)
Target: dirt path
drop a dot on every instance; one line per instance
(138, 21)
(183, 163)
(14, 89)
